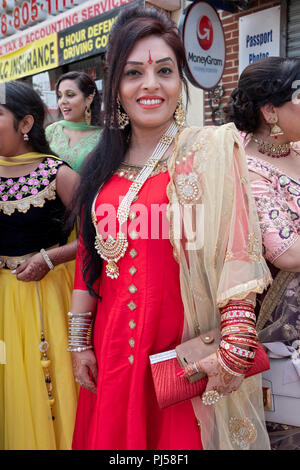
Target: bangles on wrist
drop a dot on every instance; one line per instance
(239, 341)
(80, 331)
(47, 259)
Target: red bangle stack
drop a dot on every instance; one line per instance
(237, 329)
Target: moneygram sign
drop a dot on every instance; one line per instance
(204, 43)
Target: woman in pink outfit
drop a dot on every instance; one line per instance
(266, 108)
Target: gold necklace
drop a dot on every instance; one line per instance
(111, 250)
(271, 149)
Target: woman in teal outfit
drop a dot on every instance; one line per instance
(75, 136)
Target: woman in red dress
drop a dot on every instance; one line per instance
(129, 289)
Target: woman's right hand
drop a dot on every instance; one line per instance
(85, 369)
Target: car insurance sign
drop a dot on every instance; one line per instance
(204, 43)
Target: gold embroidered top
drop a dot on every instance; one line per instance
(130, 171)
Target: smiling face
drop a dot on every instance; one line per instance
(150, 84)
(72, 101)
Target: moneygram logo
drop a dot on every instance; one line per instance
(205, 33)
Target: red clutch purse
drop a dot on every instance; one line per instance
(171, 389)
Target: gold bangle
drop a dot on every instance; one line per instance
(47, 259)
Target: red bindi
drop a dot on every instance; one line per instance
(150, 58)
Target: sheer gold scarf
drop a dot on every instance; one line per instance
(216, 238)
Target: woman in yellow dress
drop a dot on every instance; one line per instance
(37, 390)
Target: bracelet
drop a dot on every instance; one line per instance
(80, 331)
(243, 330)
(234, 314)
(236, 350)
(246, 308)
(241, 322)
(47, 259)
(239, 302)
(225, 367)
(233, 364)
(243, 341)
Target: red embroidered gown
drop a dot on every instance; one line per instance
(141, 313)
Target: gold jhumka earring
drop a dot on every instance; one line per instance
(123, 119)
(88, 115)
(179, 115)
(275, 129)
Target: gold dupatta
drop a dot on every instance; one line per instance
(24, 159)
(209, 195)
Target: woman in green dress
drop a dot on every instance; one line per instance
(75, 136)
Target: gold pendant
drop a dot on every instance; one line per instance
(112, 270)
(111, 251)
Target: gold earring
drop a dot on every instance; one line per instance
(275, 129)
(88, 115)
(179, 115)
(123, 119)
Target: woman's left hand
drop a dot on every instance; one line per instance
(33, 269)
(218, 379)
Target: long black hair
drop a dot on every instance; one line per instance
(271, 80)
(88, 87)
(132, 25)
(22, 100)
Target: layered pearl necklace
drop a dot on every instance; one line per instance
(111, 250)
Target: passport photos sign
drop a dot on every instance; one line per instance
(259, 36)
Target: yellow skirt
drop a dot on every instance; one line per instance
(26, 418)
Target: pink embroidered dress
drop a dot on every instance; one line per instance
(277, 198)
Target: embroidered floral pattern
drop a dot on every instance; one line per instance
(278, 208)
(253, 247)
(242, 433)
(188, 187)
(20, 192)
(75, 154)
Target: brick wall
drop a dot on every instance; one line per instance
(229, 80)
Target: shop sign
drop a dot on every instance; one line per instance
(34, 58)
(259, 36)
(204, 43)
(36, 52)
(75, 15)
(86, 39)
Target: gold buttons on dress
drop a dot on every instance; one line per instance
(132, 324)
(133, 253)
(131, 342)
(132, 270)
(131, 358)
(132, 216)
(131, 306)
(132, 289)
(133, 234)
